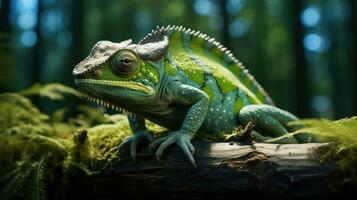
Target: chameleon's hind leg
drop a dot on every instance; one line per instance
(269, 120)
(257, 137)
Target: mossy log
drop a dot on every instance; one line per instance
(224, 170)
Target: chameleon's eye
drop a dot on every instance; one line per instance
(124, 63)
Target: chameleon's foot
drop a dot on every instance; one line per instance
(181, 139)
(133, 142)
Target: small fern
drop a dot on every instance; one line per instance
(14, 187)
(37, 189)
(26, 181)
(323, 130)
(8, 173)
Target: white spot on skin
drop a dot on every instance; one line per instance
(211, 109)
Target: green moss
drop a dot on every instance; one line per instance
(80, 151)
(104, 139)
(18, 110)
(26, 145)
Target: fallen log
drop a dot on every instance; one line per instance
(224, 170)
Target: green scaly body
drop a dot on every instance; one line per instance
(201, 62)
(182, 80)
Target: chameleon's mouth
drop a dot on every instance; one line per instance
(98, 99)
(107, 104)
(122, 84)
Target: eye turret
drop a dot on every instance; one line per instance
(125, 63)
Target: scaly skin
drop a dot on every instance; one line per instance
(182, 80)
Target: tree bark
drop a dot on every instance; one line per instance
(223, 171)
(301, 80)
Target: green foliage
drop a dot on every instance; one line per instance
(104, 140)
(27, 180)
(35, 145)
(53, 91)
(27, 146)
(31, 146)
(344, 130)
(343, 133)
(17, 181)
(38, 188)
(73, 145)
(18, 110)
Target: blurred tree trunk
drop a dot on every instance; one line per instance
(4, 16)
(301, 81)
(36, 51)
(353, 56)
(77, 45)
(342, 68)
(225, 17)
(36, 66)
(260, 33)
(77, 33)
(5, 30)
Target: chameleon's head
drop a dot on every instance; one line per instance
(121, 74)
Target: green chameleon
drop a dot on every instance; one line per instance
(180, 79)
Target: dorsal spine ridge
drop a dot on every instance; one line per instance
(210, 40)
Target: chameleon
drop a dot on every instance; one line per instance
(183, 80)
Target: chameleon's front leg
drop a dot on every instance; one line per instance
(198, 102)
(137, 125)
